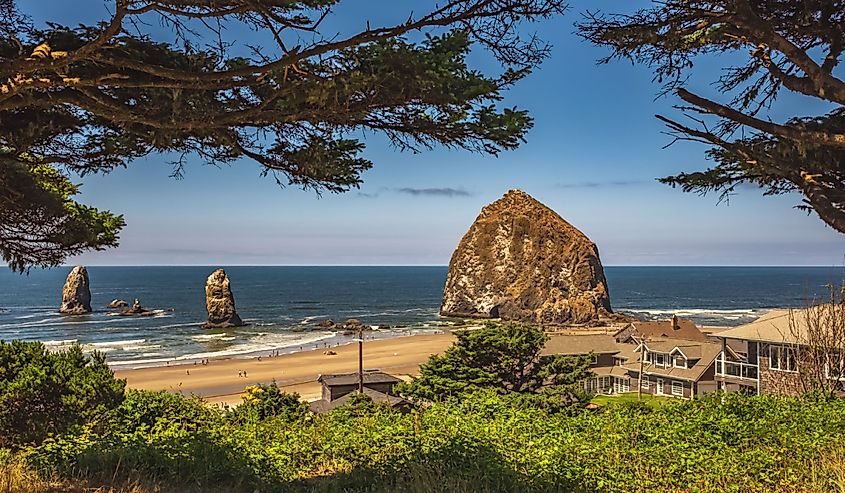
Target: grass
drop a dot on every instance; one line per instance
(649, 399)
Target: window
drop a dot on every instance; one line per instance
(595, 359)
(782, 358)
(680, 362)
(659, 359)
(644, 383)
(677, 388)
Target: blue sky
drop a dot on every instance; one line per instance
(592, 157)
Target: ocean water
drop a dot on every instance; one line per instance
(282, 304)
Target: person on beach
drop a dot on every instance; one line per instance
(240, 373)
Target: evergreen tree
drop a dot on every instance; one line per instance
(792, 45)
(503, 357)
(92, 98)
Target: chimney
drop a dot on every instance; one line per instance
(675, 325)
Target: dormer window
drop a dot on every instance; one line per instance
(659, 359)
(680, 362)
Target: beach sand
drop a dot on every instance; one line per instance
(218, 382)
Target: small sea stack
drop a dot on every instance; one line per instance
(220, 303)
(117, 303)
(76, 293)
(521, 261)
(137, 310)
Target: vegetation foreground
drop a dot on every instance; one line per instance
(67, 425)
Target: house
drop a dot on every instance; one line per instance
(337, 389)
(602, 347)
(677, 358)
(673, 367)
(762, 357)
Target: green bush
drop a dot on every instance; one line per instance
(262, 401)
(482, 441)
(43, 393)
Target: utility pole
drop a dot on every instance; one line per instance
(642, 362)
(361, 360)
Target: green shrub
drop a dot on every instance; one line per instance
(264, 401)
(43, 393)
(482, 441)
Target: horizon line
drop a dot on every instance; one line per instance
(429, 265)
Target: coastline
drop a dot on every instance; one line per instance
(219, 382)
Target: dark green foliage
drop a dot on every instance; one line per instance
(792, 45)
(504, 357)
(43, 393)
(40, 225)
(295, 99)
(481, 442)
(263, 401)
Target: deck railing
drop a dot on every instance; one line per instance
(735, 369)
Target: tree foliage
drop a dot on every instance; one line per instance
(503, 357)
(262, 401)
(94, 97)
(40, 224)
(792, 45)
(43, 393)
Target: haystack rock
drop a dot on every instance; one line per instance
(76, 293)
(219, 302)
(521, 261)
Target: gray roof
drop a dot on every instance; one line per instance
(580, 344)
(780, 326)
(352, 378)
(323, 406)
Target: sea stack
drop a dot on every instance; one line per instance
(521, 261)
(76, 293)
(220, 303)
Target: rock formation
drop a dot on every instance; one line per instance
(76, 293)
(219, 302)
(521, 261)
(117, 304)
(137, 310)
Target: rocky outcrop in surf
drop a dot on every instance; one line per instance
(521, 261)
(116, 303)
(137, 310)
(220, 303)
(76, 293)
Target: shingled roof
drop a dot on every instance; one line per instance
(702, 353)
(580, 344)
(352, 378)
(684, 329)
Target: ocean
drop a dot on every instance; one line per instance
(282, 304)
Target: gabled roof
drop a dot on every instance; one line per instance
(352, 378)
(685, 330)
(705, 353)
(580, 344)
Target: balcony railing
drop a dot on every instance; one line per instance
(735, 369)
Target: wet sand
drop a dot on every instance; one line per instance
(219, 380)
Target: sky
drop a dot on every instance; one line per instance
(593, 156)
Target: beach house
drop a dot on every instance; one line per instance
(673, 356)
(762, 357)
(337, 389)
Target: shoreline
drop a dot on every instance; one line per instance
(321, 342)
(220, 381)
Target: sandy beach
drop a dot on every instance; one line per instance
(219, 380)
